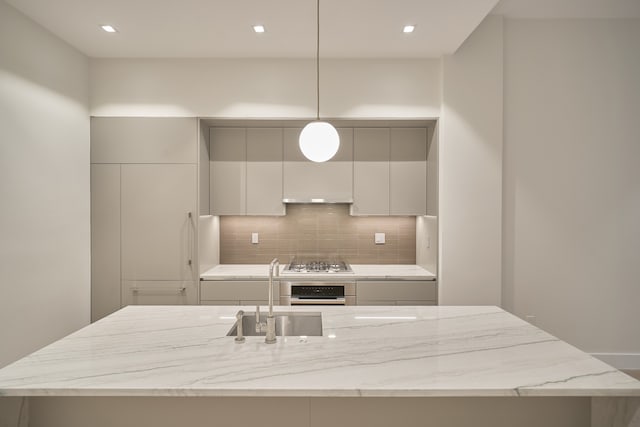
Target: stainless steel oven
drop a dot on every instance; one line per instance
(318, 292)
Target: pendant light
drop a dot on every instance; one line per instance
(319, 141)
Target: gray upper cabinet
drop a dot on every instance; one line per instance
(305, 180)
(371, 151)
(246, 171)
(144, 140)
(408, 171)
(158, 234)
(228, 170)
(264, 171)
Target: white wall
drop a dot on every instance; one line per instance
(265, 88)
(572, 180)
(470, 180)
(44, 187)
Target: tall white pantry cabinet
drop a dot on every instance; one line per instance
(144, 201)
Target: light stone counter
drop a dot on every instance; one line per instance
(364, 351)
(374, 366)
(360, 272)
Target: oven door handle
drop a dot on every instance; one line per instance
(316, 301)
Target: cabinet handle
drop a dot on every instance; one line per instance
(180, 290)
(190, 239)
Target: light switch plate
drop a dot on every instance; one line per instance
(379, 238)
(254, 238)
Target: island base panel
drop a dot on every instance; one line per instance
(309, 412)
(615, 412)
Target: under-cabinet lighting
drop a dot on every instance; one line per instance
(408, 28)
(258, 28)
(331, 336)
(385, 317)
(108, 28)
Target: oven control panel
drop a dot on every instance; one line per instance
(320, 291)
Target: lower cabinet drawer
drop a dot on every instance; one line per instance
(393, 302)
(375, 302)
(236, 302)
(416, 302)
(219, 302)
(158, 292)
(400, 292)
(249, 291)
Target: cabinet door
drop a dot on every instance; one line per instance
(408, 171)
(165, 292)
(370, 171)
(144, 140)
(228, 149)
(158, 234)
(375, 302)
(404, 291)
(237, 290)
(105, 240)
(264, 171)
(305, 180)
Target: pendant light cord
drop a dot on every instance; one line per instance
(318, 60)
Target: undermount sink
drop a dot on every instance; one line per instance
(287, 324)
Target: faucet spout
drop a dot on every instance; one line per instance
(271, 321)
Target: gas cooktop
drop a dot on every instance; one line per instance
(317, 266)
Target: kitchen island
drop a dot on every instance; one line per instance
(374, 366)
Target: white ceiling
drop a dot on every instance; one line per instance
(349, 28)
(223, 28)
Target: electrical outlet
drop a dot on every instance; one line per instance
(254, 238)
(379, 238)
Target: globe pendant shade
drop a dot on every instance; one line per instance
(319, 141)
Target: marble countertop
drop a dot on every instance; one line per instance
(360, 272)
(364, 351)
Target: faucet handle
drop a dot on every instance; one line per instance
(239, 336)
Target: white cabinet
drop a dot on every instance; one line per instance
(144, 180)
(408, 171)
(237, 292)
(144, 140)
(159, 292)
(158, 223)
(246, 171)
(306, 180)
(105, 240)
(396, 292)
(371, 151)
(264, 171)
(228, 170)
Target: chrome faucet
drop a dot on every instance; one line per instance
(271, 321)
(240, 335)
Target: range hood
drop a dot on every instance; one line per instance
(316, 200)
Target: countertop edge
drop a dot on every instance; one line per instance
(359, 393)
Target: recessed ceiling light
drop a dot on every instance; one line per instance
(108, 28)
(408, 28)
(258, 28)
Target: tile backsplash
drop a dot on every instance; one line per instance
(317, 230)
